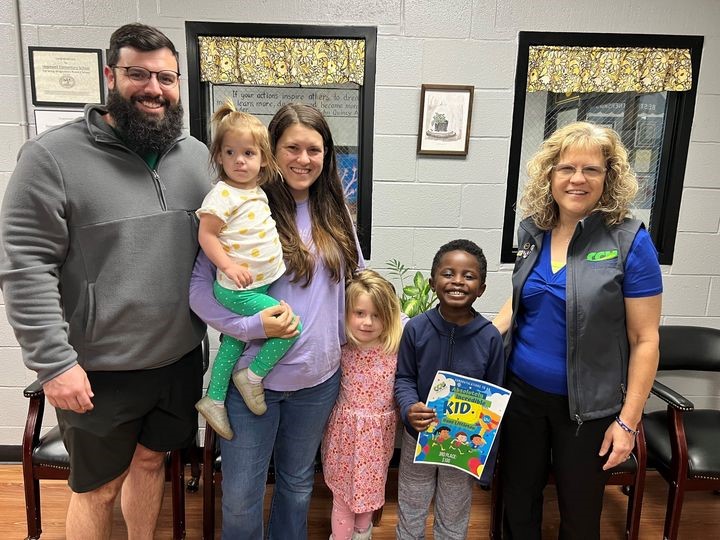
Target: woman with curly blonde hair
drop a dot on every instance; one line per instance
(620, 186)
(581, 329)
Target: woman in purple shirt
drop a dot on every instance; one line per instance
(320, 249)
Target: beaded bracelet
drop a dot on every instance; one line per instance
(625, 427)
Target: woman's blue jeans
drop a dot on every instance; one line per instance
(291, 431)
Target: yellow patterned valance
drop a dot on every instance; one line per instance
(281, 61)
(608, 69)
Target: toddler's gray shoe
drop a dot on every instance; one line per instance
(252, 394)
(215, 416)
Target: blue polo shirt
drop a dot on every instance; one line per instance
(539, 353)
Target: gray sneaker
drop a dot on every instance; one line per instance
(215, 416)
(253, 394)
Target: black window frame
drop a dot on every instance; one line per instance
(366, 111)
(676, 139)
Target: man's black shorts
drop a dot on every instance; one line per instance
(153, 407)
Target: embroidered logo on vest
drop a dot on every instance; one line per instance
(595, 256)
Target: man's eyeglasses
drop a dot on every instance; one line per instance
(140, 75)
(591, 172)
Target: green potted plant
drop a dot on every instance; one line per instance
(439, 122)
(415, 298)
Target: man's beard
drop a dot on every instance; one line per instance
(144, 132)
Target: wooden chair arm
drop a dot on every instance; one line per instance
(33, 422)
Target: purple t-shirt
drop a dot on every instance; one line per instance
(315, 356)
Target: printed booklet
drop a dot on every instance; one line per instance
(468, 416)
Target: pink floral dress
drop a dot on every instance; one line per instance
(360, 436)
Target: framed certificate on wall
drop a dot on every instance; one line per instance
(65, 77)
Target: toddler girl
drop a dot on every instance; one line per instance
(360, 435)
(238, 234)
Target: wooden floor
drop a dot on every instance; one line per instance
(701, 513)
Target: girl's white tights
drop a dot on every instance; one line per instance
(344, 521)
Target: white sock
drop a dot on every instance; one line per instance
(254, 379)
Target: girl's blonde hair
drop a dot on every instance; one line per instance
(620, 185)
(228, 119)
(382, 295)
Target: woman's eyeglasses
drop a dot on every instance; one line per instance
(590, 172)
(140, 75)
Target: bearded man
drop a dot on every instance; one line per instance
(98, 238)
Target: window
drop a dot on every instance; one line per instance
(262, 67)
(648, 98)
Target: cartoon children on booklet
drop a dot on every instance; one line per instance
(460, 442)
(476, 441)
(438, 444)
(443, 448)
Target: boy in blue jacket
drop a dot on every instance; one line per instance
(451, 337)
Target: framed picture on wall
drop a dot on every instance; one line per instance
(445, 112)
(65, 77)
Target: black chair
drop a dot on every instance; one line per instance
(684, 442)
(629, 474)
(193, 454)
(45, 458)
(211, 474)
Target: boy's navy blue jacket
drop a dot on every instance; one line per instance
(430, 343)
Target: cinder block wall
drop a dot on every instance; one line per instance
(418, 203)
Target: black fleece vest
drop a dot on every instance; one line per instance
(597, 343)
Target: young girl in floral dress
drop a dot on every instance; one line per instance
(360, 436)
